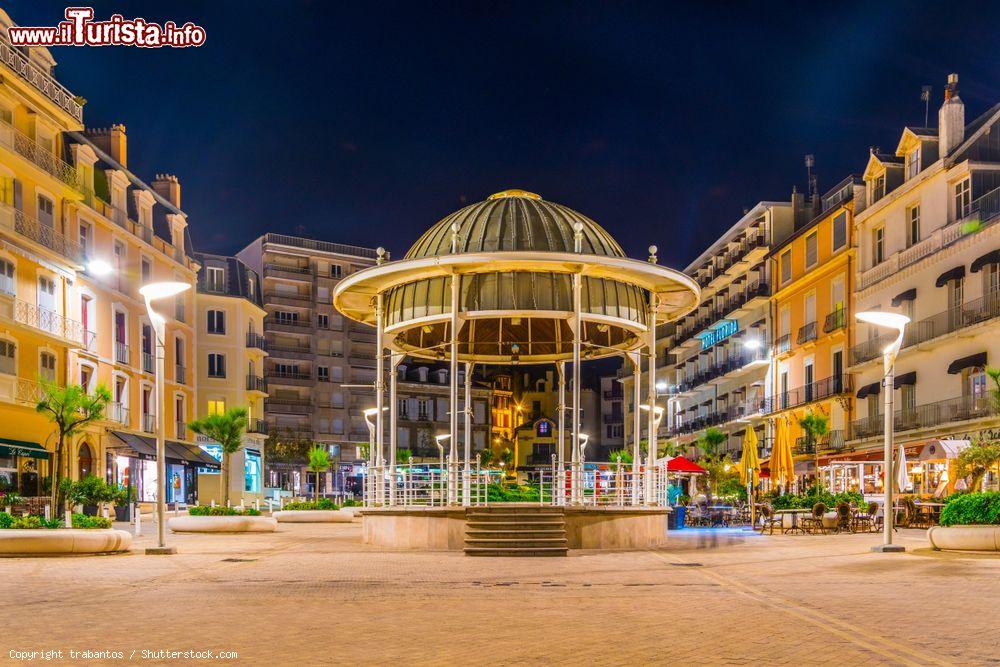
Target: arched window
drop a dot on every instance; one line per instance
(86, 461)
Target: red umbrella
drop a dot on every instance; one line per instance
(681, 464)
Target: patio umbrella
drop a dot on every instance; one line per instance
(749, 463)
(781, 464)
(902, 479)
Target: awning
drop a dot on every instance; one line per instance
(252, 451)
(10, 447)
(942, 449)
(970, 361)
(681, 464)
(906, 379)
(143, 447)
(908, 295)
(955, 274)
(992, 257)
(140, 448)
(870, 390)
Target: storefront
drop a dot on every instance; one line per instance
(19, 466)
(132, 463)
(248, 487)
(929, 469)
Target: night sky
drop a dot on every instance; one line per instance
(365, 123)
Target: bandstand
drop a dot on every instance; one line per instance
(513, 280)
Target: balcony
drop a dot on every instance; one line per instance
(837, 319)
(783, 344)
(319, 246)
(180, 374)
(362, 335)
(285, 271)
(750, 296)
(807, 333)
(18, 390)
(118, 413)
(299, 325)
(149, 423)
(289, 432)
(147, 362)
(180, 428)
(816, 391)
(43, 320)
(288, 298)
(960, 409)
(285, 351)
(121, 353)
(41, 156)
(40, 233)
(289, 406)
(256, 383)
(362, 360)
(258, 426)
(41, 80)
(289, 377)
(256, 341)
(614, 418)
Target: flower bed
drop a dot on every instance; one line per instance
(323, 510)
(28, 535)
(205, 519)
(205, 510)
(305, 505)
(969, 522)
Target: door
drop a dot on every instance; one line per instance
(808, 375)
(838, 371)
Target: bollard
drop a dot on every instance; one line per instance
(256, 504)
(213, 502)
(228, 504)
(138, 520)
(105, 513)
(281, 502)
(69, 518)
(48, 512)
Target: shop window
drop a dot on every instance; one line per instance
(251, 468)
(85, 461)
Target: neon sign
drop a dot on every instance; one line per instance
(725, 329)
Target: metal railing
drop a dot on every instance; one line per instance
(256, 341)
(41, 156)
(962, 408)
(783, 344)
(121, 352)
(181, 430)
(256, 383)
(274, 323)
(288, 375)
(836, 319)
(815, 391)
(180, 374)
(47, 321)
(149, 423)
(147, 362)
(43, 234)
(807, 333)
(256, 426)
(117, 412)
(321, 246)
(19, 390)
(43, 81)
(298, 406)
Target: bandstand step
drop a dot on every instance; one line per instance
(515, 531)
(532, 552)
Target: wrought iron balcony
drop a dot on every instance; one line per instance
(40, 233)
(256, 341)
(41, 156)
(295, 406)
(807, 333)
(117, 412)
(962, 408)
(149, 423)
(180, 428)
(180, 374)
(42, 81)
(256, 383)
(121, 352)
(256, 426)
(836, 319)
(816, 391)
(783, 344)
(148, 362)
(47, 321)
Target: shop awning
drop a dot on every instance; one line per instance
(954, 274)
(681, 464)
(144, 447)
(908, 295)
(33, 450)
(870, 390)
(970, 361)
(906, 379)
(992, 257)
(936, 450)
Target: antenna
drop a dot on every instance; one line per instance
(810, 163)
(925, 95)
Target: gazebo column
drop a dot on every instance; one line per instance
(453, 398)
(636, 422)
(467, 470)
(653, 421)
(576, 489)
(379, 459)
(560, 480)
(394, 359)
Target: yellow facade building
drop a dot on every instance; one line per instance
(813, 270)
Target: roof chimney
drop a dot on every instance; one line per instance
(951, 118)
(111, 140)
(798, 207)
(168, 187)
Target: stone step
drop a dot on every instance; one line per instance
(517, 552)
(520, 543)
(516, 532)
(512, 518)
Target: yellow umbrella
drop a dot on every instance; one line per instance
(749, 463)
(781, 464)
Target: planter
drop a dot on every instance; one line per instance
(123, 513)
(90, 510)
(222, 524)
(965, 538)
(63, 541)
(313, 516)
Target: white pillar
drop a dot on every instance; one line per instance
(577, 492)
(379, 458)
(636, 422)
(652, 421)
(561, 447)
(159, 330)
(453, 397)
(394, 359)
(467, 470)
(888, 383)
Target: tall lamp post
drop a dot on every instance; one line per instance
(897, 323)
(151, 293)
(372, 454)
(651, 455)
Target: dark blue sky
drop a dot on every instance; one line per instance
(366, 122)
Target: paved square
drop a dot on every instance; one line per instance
(314, 594)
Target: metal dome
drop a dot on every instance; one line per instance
(514, 220)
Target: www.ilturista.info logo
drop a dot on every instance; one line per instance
(79, 29)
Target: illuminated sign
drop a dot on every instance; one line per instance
(724, 330)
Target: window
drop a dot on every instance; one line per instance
(46, 293)
(323, 321)
(912, 226)
(216, 365)
(544, 428)
(401, 404)
(179, 414)
(8, 364)
(86, 377)
(216, 322)
(216, 406)
(991, 279)
(873, 405)
(423, 408)
(147, 271)
(908, 399)
(85, 239)
(786, 266)
(840, 231)
(878, 245)
(119, 263)
(877, 189)
(336, 271)
(974, 385)
(251, 285)
(45, 211)
(216, 279)
(811, 250)
(963, 198)
(47, 366)
(784, 388)
(912, 163)
(7, 284)
(286, 317)
(323, 373)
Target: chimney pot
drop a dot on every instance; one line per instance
(951, 118)
(112, 140)
(168, 187)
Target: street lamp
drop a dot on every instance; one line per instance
(150, 293)
(896, 322)
(368, 414)
(98, 267)
(438, 440)
(651, 455)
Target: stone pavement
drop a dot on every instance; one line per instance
(314, 594)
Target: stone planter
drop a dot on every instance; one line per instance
(313, 516)
(222, 524)
(965, 538)
(42, 541)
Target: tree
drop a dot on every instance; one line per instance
(671, 448)
(403, 456)
(226, 429)
(815, 427)
(486, 457)
(71, 409)
(977, 460)
(710, 442)
(319, 461)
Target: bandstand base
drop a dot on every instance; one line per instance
(443, 528)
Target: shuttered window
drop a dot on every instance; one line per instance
(811, 250)
(840, 231)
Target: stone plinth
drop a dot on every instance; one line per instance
(313, 516)
(222, 524)
(63, 541)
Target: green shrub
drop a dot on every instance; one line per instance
(815, 495)
(321, 504)
(29, 522)
(972, 509)
(350, 502)
(497, 493)
(10, 498)
(84, 521)
(206, 510)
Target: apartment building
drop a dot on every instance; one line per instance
(612, 413)
(231, 354)
(928, 247)
(536, 435)
(69, 210)
(320, 369)
(720, 352)
(814, 279)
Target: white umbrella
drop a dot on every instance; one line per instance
(902, 479)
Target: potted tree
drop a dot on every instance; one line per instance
(226, 429)
(815, 427)
(319, 462)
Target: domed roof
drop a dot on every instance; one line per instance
(515, 220)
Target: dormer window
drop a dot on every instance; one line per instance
(912, 163)
(876, 188)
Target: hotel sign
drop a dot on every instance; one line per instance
(722, 331)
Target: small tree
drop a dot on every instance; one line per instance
(486, 457)
(403, 455)
(70, 409)
(226, 429)
(815, 427)
(319, 461)
(977, 460)
(623, 456)
(710, 442)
